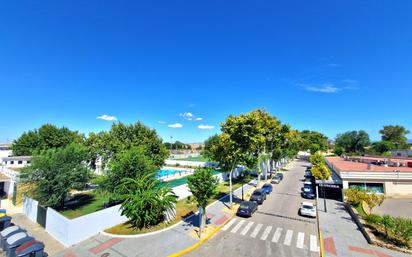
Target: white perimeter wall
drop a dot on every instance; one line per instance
(30, 208)
(72, 231)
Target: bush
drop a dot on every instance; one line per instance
(373, 219)
(402, 228)
(354, 196)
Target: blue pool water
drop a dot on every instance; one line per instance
(170, 172)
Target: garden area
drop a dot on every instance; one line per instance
(391, 232)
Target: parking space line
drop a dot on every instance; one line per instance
(314, 244)
(256, 231)
(266, 233)
(288, 238)
(238, 226)
(228, 225)
(277, 235)
(246, 229)
(301, 240)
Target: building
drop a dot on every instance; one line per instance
(5, 151)
(391, 176)
(401, 153)
(16, 162)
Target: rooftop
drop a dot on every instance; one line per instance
(370, 164)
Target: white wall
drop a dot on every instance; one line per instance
(190, 163)
(72, 231)
(30, 208)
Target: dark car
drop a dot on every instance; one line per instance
(267, 188)
(308, 174)
(280, 175)
(258, 196)
(246, 209)
(308, 193)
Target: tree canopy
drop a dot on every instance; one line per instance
(313, 141)
(203, 185)
(395, 134)
(55, 172)
(122, 137)
(46, 137)
(352, 142)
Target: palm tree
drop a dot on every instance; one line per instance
(144, 201)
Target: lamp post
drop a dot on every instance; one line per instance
(230, 183)
(324, 194)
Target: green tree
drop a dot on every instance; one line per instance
(317, 159)
(55, 172)
(46, 137)
(132, 163)
(202, 185)
(144, 201)
(313, 141)
(395, 134)
(121, 137)
(352, 142)
(321, 172)
(210, 143)
(382, 147)
(372, 200)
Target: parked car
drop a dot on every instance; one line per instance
(308, 193)
(307, 209)
(268, 188)
(277, 178)
(308, 174)
(258, 196)
(247, 208)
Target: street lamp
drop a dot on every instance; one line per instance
(324, 194)
(230, 183)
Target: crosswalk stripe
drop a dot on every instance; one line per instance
(266, 233)
(314, 244)
(256, 231)
(229, 224)
(288, 238)
(246, 229)
(277, 235)
(237, 227)
(301, 240)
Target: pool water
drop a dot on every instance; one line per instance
(182, 181)
(170, 172)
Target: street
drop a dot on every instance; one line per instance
(275, 229)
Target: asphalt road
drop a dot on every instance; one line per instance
(275, 229)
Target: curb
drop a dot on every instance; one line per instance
(202, 241)
(322, 252)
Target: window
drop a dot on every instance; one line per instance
(11, 162)
(372, 187)
(20, 162)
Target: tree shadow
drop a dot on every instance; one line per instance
(78, 201)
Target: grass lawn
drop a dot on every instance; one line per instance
(195, 159)
(83, 204)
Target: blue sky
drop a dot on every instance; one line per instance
(330, 66)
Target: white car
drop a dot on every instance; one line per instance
(308, 209)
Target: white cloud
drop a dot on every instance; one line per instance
(199, 119)
(205, 127)
(106, 117)
(161, 122)
(175, 125)
(187, 115)
(325, 88)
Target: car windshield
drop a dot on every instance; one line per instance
(309, 207)
(257, 193)
(244, 207)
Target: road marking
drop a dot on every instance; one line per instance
(288, 238)
(301, 240)
(314, 244)
(266, 233)
(256, 231)
(237, 227)
(246, 229)
(228, 225)
(277, 235)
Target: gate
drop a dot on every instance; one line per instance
(41, 215)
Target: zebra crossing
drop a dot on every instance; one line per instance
(283, 236)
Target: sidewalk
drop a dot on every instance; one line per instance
(168, 242)
(341, 236)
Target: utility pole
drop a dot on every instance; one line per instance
(230, 183)
(324, 195)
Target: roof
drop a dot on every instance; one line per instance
(364, 164)
(17, 158)
(4, 177)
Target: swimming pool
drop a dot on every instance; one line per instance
(171, 172)
(182, 181)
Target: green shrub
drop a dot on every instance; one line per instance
(373, 219)
(387, 222)
(402, 229)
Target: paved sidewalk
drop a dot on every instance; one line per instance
(165, 243)
(341, 236)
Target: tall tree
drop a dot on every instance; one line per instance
(55, 172)
(395, 134)
(132, 163)
(122, 137)
(352, 142)
(202, 185)
(313, 141)
(46, 137)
